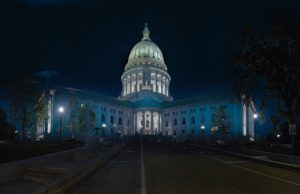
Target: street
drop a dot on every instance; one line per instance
(170, 168)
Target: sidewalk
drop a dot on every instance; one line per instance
(55, 173)
(274, 159)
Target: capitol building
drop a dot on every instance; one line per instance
(146, 106)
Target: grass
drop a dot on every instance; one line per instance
(13, 152)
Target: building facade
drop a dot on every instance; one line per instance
(145, 105)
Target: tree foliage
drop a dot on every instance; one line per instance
(26, 103)
(272, 58)
(6, 129)
(222, 120)
(82, 118)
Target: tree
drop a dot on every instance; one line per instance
(6, 129)
(25, 104)
(85, 119)
(272, 58)
(222, 120)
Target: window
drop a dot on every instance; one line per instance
(193, 131)
(111, 119)
(183, 132)
(147, 124)
(103, 118)
(174, 132)
(193, 120)
(120, 121)
(183, 121)
(202, 119)
(175, 122)
(167, 123)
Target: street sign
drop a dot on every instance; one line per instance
(292, 129)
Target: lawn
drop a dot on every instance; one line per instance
(19, 151)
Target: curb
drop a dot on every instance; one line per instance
(282, 165)
(64, 183)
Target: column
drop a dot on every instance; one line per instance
(155, 89)
(152, 122)
(161, 80)
(164, 85)
(156, 81)
(124, 87)
(143, 123)
(168, 84)
(136, 82)
(131, 83)
(159, 125)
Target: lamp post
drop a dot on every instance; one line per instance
(202, 127)
(103, 128)
(61, 111)
(214, 130)
(255, 116)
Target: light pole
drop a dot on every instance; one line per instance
(61, 111)
(255, 116)
(103, 128)
(202, 127)
(215, 130)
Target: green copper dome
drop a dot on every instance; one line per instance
(146, 52)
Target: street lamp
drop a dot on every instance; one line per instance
(215, 130)
(61, 111)
(103, 128)
(255, 116)
(202, 127)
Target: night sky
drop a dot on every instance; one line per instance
(88, 42)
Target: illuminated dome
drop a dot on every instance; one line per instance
(146, 75)
(146, 52)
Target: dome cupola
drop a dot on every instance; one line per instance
(146, 52)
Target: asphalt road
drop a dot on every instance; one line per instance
(160, 168)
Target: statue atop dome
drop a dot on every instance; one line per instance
(146, 33)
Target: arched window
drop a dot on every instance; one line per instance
(103, 118)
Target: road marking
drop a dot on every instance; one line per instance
(123, 161)
(256, 172)
(143, 178)
(235, 161)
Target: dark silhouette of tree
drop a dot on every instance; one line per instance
(272, 59)
(6, 129)
(25, 100)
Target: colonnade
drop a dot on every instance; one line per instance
(136, 82)
(147, 122)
